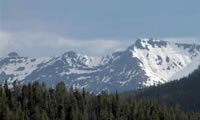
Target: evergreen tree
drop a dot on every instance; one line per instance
(35, 102)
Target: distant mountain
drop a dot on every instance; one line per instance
(145, 63)
(185, 92)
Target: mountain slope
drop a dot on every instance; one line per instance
(14, 67)
(161, 59)
(147, 62)
(185, 92)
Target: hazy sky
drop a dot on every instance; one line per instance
(93, 27)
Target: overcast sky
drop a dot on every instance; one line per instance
(93, 27)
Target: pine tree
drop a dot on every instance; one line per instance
(43, 116)
(35, 102)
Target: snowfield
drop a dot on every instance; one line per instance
(147, 62)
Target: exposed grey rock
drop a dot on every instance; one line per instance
(120, 71)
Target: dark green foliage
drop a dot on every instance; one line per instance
(185, 92)
(35, 102)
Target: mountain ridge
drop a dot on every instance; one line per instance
(147, 62)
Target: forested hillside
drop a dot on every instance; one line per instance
(185, 92)
(36, 102)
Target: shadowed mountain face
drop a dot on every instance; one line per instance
(147, 62)
(185, 92)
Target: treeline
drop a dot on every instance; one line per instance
(185, 92)
(36, 102)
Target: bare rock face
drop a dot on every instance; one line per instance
(12, 54)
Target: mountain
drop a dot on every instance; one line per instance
(185, 92)
(147, 62)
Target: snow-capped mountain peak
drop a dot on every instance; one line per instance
(161, 59)
(145, 43)
(146, 62)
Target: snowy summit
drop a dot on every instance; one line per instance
(146, 62)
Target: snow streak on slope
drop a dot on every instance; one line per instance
(187, 70)
(17, 68)
(161, 59)
(147, 62)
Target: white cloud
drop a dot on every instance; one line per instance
(43, 43)
(5, 41)
(184, 39)
(26, 41)
(60, 42)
